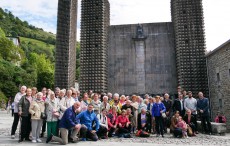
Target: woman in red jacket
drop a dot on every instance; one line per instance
(112, 117)
(123, 124)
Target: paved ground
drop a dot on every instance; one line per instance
(200, 140)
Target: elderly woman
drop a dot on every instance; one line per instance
(85, 102)
(96, 103)
(105, 104)
(122, 100)
(115, 102)
(52, 112)
(37, 107)
(24, 105)
(141, 105)
(135, 111)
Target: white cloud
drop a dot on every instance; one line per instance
(43, 14)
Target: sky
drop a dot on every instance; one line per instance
(43, 14)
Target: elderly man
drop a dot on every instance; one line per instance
(87, 118)
(203, 108)
(68, 122)
(144, 121)
(168, 105)
(17, 98)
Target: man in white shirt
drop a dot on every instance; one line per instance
(17, 97)
(190, 103)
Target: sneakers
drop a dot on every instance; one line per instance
(39, 140)
(49, 138)
(12, 136)
(34, 141)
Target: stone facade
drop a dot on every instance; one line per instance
(187, 18)
(141, 59)
(218, 63)
(95, 20)
(65, 53)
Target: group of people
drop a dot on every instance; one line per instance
(92, 116)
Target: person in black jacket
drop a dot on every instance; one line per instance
(178, 105)
(168, 105)
(144, 121)
(190, 120)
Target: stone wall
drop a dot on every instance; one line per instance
(142, 65)
(218, 62)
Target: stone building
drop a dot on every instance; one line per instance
(65, 53)
(95, 21)
(218, 64)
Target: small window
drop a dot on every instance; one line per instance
(218, 77)
(220, 103)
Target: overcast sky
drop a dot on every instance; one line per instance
(43, 14)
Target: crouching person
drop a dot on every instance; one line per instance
(87, 118)
(68, 122)
(102, 132)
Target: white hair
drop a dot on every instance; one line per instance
(105, 97)
(24, 87)
(116, 95)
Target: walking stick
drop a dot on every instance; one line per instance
(20, 127)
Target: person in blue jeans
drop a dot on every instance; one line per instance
(157, 110)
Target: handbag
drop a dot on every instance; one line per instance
(189, 131)
(43, 116)
(163, 115)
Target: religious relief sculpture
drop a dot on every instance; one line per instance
(139, 32)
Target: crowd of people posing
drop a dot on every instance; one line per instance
(68, 117)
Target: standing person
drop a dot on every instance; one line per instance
(57, 92)
(44, 96)
(203, 108)
(141, 105)
(12, 109)
(17, 98)
(96, 104)
(86, 119)
(34, 93)
(69, 101)
(157, 110)
(37, 107)
(115, 102)
(67, 123)
(122, 100)
(135, 111)
(52, 112)
(178, 105)
(105, 104)
(23, 111)
(168, 105)
(85, 102)
(190, 103)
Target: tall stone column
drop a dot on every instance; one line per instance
(95, 20)
(65, 53)
(188, 21)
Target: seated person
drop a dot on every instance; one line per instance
(144, 121)
(102, 132)
(220, 118)
(112, 117)
(190, 120)
(177, 132)
(123, 124)
(181, 124)
(68, 122)
(87, 118)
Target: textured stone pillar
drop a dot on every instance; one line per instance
(65, 53)
(187, 18)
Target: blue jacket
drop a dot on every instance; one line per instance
(203, 104)
(87, 119)
(157, 107)
(68, 120)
